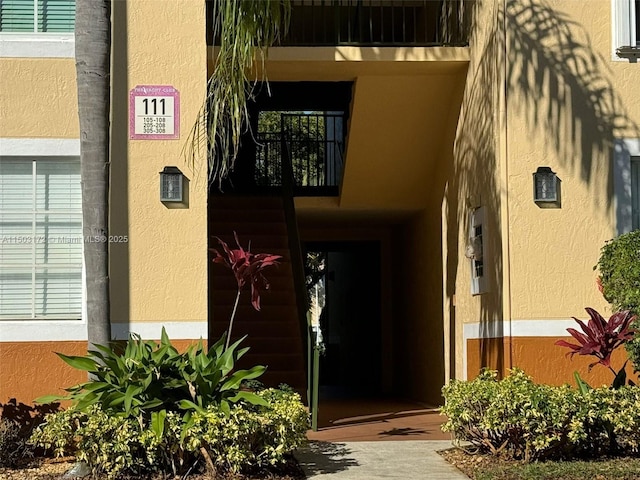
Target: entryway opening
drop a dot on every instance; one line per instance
(344, 285)
(381, 326)
(355, 402)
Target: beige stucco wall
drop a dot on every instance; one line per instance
(397, 127)
(565, 107)
(544, 93)
(476, 179)
(38, 98)
(161, 273)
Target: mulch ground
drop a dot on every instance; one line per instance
(466, 463)
(54, 469)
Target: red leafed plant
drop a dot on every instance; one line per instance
(247, 268)
(601, 338)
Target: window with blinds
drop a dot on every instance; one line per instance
(37, 15)
(40, 238)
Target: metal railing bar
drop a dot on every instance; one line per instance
(393, 24)
(315, 143)
(377, 23)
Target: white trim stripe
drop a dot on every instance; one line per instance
(43, 331)
(42, 147)
(37, 45)
(556, 327)
(152, 330)
(76, 330)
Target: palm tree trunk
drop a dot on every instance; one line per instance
(93, 59)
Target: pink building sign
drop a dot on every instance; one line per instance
(154, 113)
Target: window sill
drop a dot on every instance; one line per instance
(37, 45)
(57, 330)
(630, 53)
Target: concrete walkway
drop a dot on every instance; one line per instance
(405, 460)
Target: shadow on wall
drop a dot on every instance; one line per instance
(561, 84)
(553, 77)
(119, 201)
(26, 416)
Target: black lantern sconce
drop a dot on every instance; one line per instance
(171, 185)
(546, 188)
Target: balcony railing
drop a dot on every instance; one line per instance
(378, 23)
(316, 148)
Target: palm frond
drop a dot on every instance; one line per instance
(245, 29)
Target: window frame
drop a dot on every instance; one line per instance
(34, 265)
(624, 149)
(34, 148)
(35, 44)
(624, 42)
(36, 18)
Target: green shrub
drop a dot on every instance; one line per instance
(245, 436)
(13, 443)
(520, 419)
(150, 408)
(619, 269)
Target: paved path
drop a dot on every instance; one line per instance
(406, 460)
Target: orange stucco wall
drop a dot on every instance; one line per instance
(539, 358)
(32, 369)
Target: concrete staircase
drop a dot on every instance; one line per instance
(274, 332)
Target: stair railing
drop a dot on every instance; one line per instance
(295, 250)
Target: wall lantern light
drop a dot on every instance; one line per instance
(546, 188)
(171, 185)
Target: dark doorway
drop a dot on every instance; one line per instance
(351, 319)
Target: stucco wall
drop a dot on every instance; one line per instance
(32, 369)
(38, 98)
(545, 93)
(160, 274)
(567, 101)
(476, 179)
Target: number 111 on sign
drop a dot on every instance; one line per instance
(154, 102)
(154, 112)
(154, 115)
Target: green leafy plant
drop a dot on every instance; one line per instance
(244, 437)
(599, 338)
(519, 419)
(147, 379)
(619, 281)
(245, 29)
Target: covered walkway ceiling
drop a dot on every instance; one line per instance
(404, 112)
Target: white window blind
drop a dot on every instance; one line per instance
(40, 238)
(37, 15)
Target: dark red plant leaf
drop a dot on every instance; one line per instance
(597, 324)
(580, 337)
(246, 267)
(600, 337)
(563, 343)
